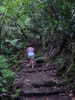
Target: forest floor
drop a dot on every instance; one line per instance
(40, 82)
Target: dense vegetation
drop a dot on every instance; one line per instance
(50, 21)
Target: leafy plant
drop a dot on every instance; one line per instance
(6, 75)
(71, 72)
(3, 62)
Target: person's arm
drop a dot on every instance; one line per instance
(34, 50)
(27, 52)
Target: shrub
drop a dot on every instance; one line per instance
(6, 75)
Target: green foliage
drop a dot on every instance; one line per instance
(17, 93)
(71, 75)
(24, 18)
(6, 75)
(71, 67)
(12, 42)
(3, 62)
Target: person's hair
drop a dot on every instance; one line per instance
(30, 45)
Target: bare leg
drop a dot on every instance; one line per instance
(32, 63)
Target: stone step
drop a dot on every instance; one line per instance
(52, 97)
(41, 91)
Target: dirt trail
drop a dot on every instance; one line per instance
(39, 83)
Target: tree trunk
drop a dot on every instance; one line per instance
(43, 42)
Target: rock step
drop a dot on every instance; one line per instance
(33, 70)
(41, 91)
(53, 97)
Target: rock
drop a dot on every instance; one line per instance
(41, 92)
(40, 59)
(45, 84)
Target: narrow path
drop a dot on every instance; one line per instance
(39, 83)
